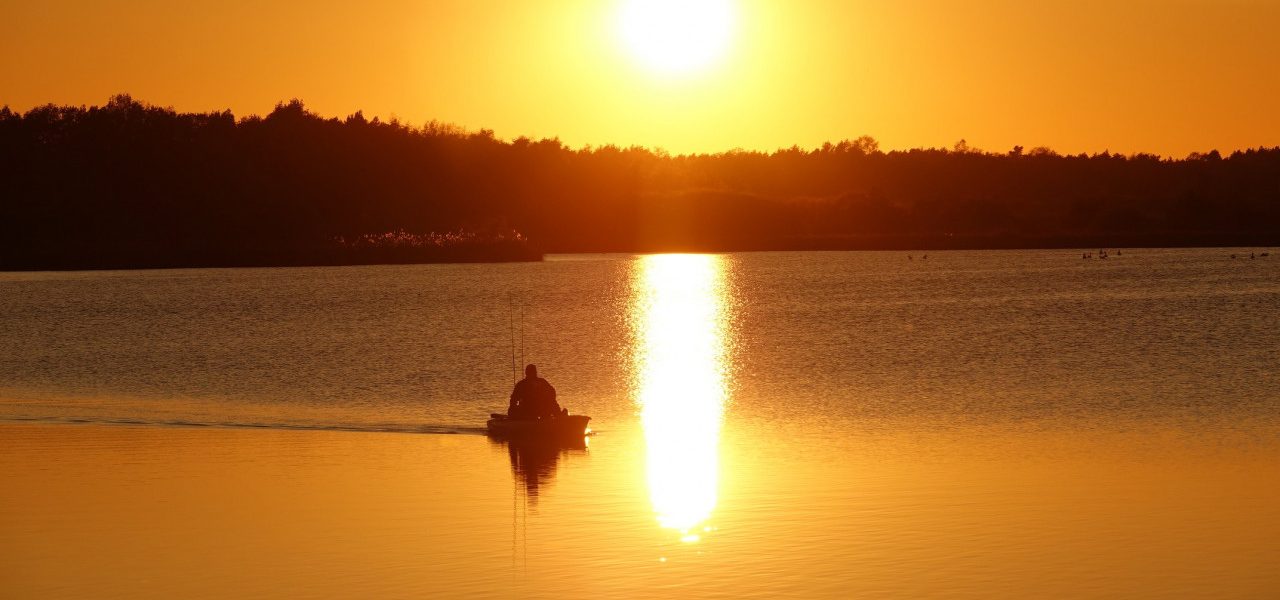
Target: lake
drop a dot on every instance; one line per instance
(826, 424)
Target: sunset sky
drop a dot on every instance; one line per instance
(1168, 77)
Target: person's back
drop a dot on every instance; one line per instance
(533, 397)
(542, 399)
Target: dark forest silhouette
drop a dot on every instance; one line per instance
(132, 185)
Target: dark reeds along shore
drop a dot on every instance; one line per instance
(389, 248)
(133, 185)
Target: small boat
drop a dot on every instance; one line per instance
(568, 426)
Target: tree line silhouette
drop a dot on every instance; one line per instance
(133, 185)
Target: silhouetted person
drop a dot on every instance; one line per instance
(533, 397)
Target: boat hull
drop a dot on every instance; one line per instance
(559, 428)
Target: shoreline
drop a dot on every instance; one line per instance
(263, 263)
(541, 257)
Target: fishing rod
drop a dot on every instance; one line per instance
(511, 322)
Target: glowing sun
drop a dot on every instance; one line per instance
(676, 36)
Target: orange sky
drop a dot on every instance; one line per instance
(1168, 77)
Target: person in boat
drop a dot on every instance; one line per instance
(533, 398)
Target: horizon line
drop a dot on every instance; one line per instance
(961, 146)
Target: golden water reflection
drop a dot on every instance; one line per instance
(679, 320)
(534, 462)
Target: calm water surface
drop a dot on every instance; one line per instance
(799, 424)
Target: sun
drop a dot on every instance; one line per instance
(677, 36)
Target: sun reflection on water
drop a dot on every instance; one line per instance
(679, 320)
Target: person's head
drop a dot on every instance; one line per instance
(530, 371)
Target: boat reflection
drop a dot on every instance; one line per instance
(533, 461)
(679, 320)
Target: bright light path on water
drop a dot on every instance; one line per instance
(680, 322)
